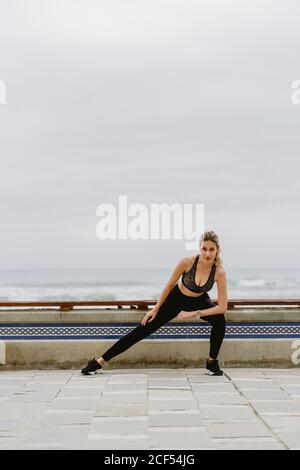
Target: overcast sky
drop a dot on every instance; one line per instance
(165, 101)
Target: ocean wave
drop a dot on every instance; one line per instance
(122, 292)
(136, 284)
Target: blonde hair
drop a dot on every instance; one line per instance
(210, 235)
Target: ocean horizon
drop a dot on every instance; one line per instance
(137, 284)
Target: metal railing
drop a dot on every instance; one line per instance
(65, 305)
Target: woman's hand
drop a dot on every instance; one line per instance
(149, 316)
(186, 315)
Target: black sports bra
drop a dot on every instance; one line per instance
(188, 278)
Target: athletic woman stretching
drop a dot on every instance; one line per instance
(186, 299)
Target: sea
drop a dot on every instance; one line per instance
(138, 284)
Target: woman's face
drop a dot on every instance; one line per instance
(208, 250)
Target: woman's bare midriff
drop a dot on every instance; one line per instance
(188, 292)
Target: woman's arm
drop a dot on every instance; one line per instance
(178, 271)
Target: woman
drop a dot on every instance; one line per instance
(183, 300)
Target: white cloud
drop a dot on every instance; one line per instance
(165, 101)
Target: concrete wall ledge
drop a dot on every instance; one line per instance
(131, 315)
(151, 353)
(249, 342)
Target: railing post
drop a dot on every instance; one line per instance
(66, 307)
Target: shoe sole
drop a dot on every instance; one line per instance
(214, 374)
(99, 371)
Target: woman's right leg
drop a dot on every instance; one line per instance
(217, 321)
(168, 310)
(217, 334)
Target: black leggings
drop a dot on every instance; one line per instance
(172, 305)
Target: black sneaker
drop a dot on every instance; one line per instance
(93, 367)
(213, 367)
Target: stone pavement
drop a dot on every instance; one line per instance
(150, 409)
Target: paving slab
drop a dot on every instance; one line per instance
(61, 417)
(290, 438)
(172, 394)
(244, 384)
(80, 393)
(126, 386)
(128, 378)
(295, 371)
(20, 423)
(173, 405)
(95, 442)
(128, 409)
(227, 412)
(168, 383)
(260, 394)
(56, 437)
(10, 443)
(172, 419)
(74, 404)
(263, 443)
(207, 379)
(286, 380)
(238, 429)
(276, 407)
(150, 409)
(213, 387)
(291, 389)
(180, 438)
(117, 426)
(283, 422)
(6, 392)
(220, 399)
(109, 398)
